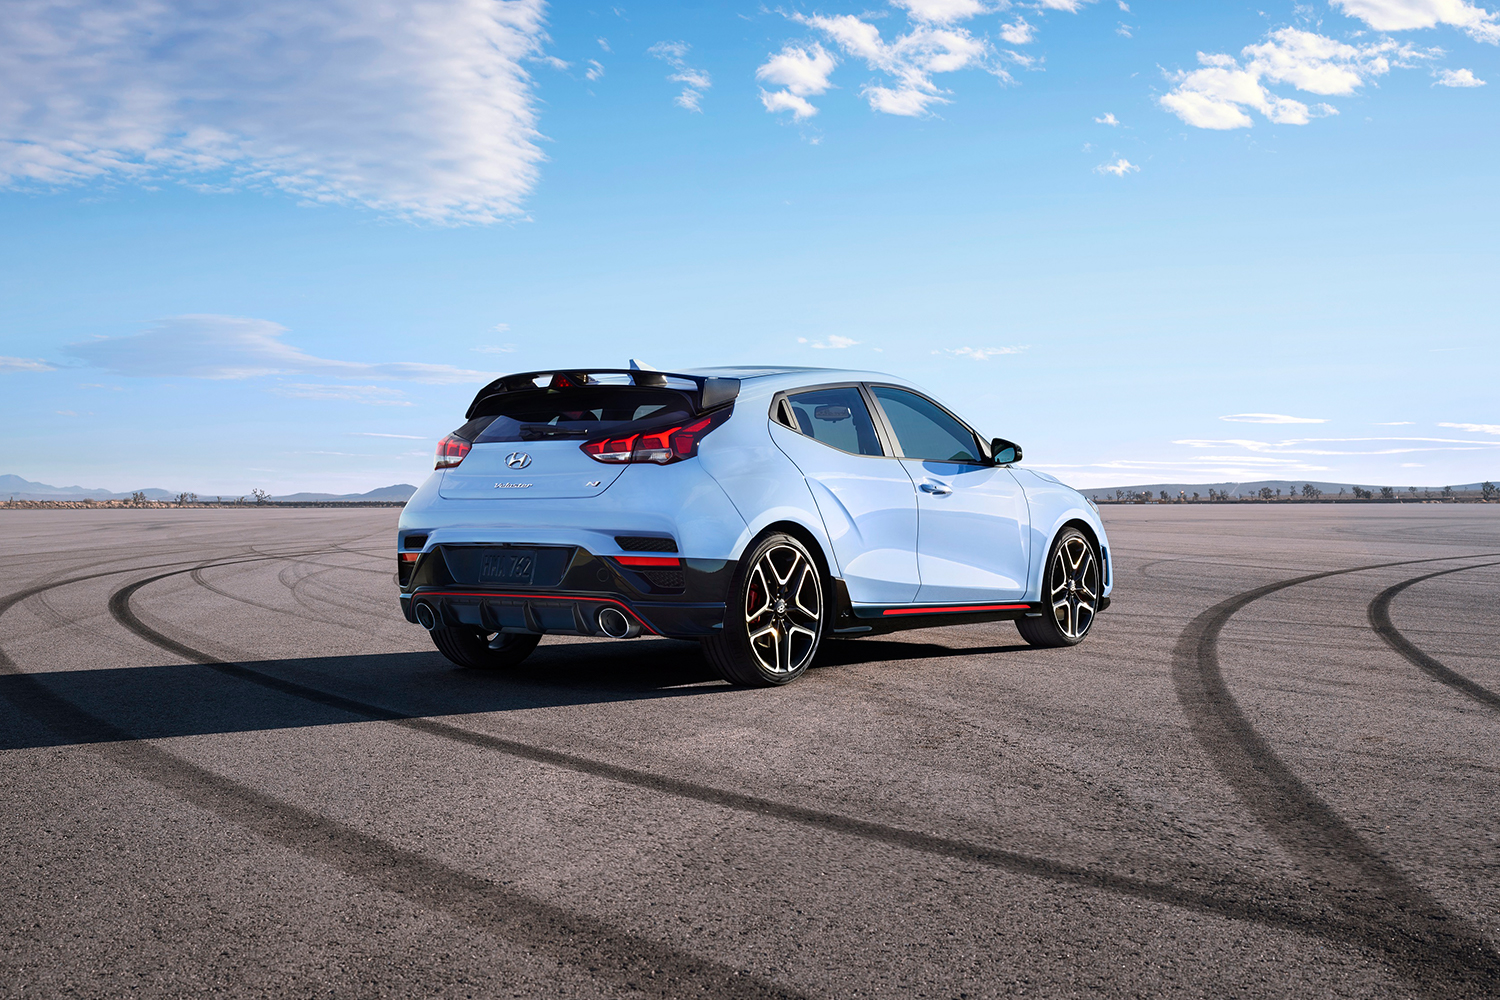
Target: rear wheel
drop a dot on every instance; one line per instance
(483, 651)
(1070, 593)
(775, 616)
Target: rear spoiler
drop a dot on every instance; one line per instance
(712, 392)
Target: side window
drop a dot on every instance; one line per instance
(924, 430)
(837, 418)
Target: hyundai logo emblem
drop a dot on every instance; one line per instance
(517, 460)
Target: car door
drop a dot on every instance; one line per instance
(972, 520)
(866, 499)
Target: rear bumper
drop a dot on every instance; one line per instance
(686, 602)
(565, 614)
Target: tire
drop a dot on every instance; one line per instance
(481, 651)
(1070, 587)
(775, 617)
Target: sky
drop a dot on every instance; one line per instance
(279, 245)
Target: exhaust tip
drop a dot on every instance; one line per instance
(426, 617)
(613, 623)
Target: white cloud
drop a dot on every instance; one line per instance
(1217, 95)
(1108, 119)
(1018, 32)
(831, 342)
(422, 110)
(595, 70)
(694, 81)
(781, 100)
(802, 72)
(1123, 6)
(1272, 418)
(371, 395)
(604, 44)
(1119, 168)
(910, 60)
(1457, 78)
(979, 353)
(233, 347)
(1475, 428)
(941, 11)
(1314, 446)
(497, 349)
(1404, 15)
(1071, 6)
(24, 365)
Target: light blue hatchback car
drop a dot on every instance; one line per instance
(758, 510)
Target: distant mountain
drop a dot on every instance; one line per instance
(396, 494)
(1250, 489)
(24, 489)
(14, 487)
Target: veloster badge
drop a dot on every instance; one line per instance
(512, 486)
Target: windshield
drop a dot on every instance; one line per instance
(581, 413)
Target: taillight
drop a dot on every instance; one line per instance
(662, 446)
(450, 451)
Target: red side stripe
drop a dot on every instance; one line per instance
(952, 610)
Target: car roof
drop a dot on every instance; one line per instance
(766, 380)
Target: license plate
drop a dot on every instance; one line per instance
(508, 566)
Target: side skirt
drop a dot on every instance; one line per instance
(879, 619)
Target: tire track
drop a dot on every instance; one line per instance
(1215, 901)
(1380, 620)
(198, 578)
(1425, 943)
(650, 967)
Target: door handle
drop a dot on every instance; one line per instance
(936, 489)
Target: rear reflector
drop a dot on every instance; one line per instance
(653, 561)
(410, 557)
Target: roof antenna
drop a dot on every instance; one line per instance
(652, 379)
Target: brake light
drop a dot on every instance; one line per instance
(662, 446)
(450, 451)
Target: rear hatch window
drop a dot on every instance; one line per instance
(581, 413)
(529, 446)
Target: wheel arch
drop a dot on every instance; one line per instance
(1043, 546)
(804, 535)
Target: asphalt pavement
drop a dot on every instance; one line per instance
(230, 768)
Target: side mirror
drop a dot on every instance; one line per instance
(1004, 452)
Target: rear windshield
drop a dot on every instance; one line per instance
(581, 412)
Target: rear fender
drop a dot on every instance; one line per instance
(762, 482)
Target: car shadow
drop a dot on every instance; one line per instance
(844, 652)
(173, 700)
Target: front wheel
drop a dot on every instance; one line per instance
(481, 650)
(775, 616)
(1070, 594)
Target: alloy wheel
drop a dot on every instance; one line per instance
(783, 609)
(1073, 587)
